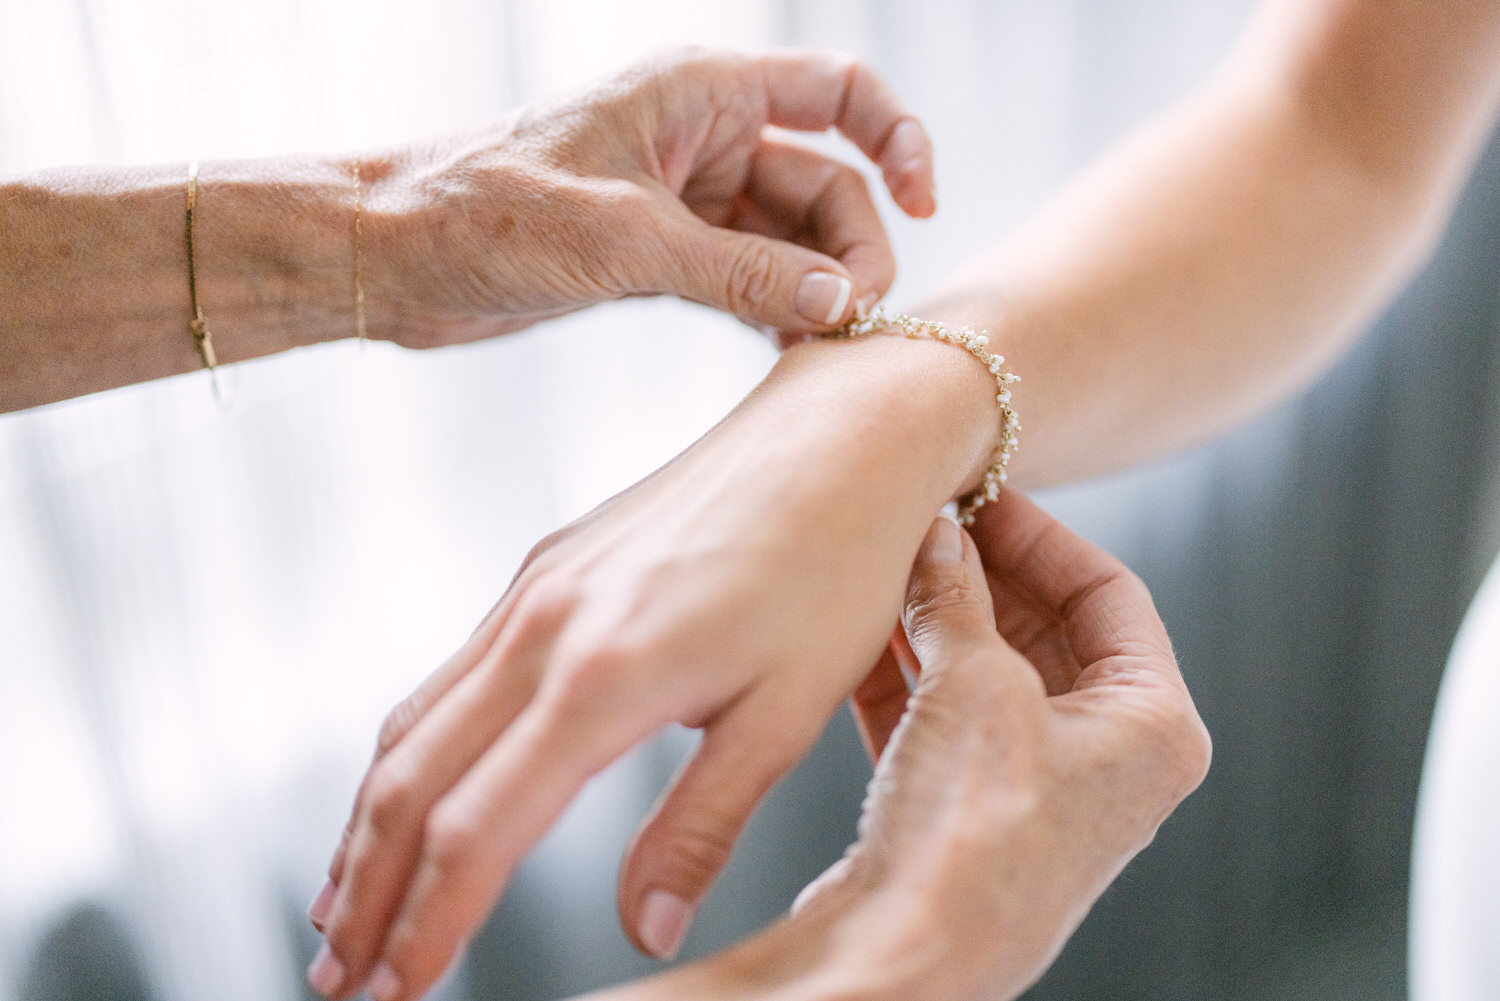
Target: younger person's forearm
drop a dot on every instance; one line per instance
(1227, 253)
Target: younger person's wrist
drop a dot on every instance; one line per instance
(976, 344)
(917, 408)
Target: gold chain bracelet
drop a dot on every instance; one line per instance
(359, 259)
(203, 340)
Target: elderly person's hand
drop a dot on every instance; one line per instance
(1032, 762)
(662, 179)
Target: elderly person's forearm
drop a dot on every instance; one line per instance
(661, 180)
(94, 274)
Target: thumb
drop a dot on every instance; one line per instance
(761, 280)
(948, 608)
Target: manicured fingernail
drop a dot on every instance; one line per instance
(909, 139)
(822, 297)
(943, 543)
(326, 974)
(317, 911)
(664, 923)
(384, 984)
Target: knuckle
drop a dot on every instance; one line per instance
(613, 204)
(349, 943)
(1135, 586)
(845, 187)
(451, 839)
(845, 180)
(544, 546)
(698, 849)
(353, 937)
(392, 795)
(629, 204)
(846, 64)
(934, 601)
(1192, 750)
(419, 955)
(546, 601)
(593, 674)
(752, 278)
(1182, 749)
(396, 724)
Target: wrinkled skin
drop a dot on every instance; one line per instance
(659, 180)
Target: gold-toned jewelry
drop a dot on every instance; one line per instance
(977, 345)
(359, 261)
(197, 326)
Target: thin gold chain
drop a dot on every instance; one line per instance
(359, 259)
(198, 326)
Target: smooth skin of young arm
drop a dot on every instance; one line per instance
(1227, 253)
(657, 180)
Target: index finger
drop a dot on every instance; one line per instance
(811, 90)
(1130, 680)
(1108, 610)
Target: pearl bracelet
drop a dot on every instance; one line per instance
(976, 344)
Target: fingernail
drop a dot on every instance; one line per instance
(909, 138)
(384, 984)
(664, 923)
(822, 297)
(943, 543)
(317, 911)
(326, 974)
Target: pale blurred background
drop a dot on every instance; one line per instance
(205, 614)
